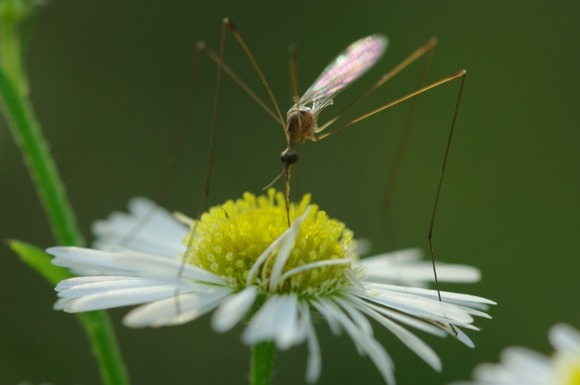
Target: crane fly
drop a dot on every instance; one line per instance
(302, 117)
(301, 122)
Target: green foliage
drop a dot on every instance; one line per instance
(39, 261)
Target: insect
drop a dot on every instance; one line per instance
(301, 123)
(302, 117)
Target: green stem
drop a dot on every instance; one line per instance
(49, 187)
(26, 132)
(10, 50)
(98, 327)
(262, 362)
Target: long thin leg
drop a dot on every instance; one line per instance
(440, 182)
(221, 68)
(293, 57)
(393, 173)
(277, 115)
(172, 158)
(230, 25)
(228, 71)
(287, 167)
(287, 172)
(218, 59)
(211, 150)
(458, 75)
(436, 84)
(213, 126)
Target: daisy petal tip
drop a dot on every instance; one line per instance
(134, 324)
(463, 338)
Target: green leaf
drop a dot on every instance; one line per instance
(39, 261)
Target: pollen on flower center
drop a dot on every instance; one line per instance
(229, 239)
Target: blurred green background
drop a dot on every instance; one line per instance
(109, 79)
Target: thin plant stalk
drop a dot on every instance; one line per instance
(262, 362)
(27, 134)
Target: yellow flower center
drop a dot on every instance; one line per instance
(230, 238)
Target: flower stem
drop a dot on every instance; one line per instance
(24, 127)
(97, 326)
(262, 362)
(42, 169)
(27, 134)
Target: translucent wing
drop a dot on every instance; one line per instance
(348, 66)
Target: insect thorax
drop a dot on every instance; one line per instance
(300, 125)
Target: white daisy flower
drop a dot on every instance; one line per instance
(243, 262)
(522, 366)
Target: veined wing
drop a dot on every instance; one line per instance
(347, 67)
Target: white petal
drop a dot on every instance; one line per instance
(356, 317)
(527, 363)
(461, 336)
(413, 342)
(314, 363)
(419, 306)
(117, 298)
(332, 314)
(147, 228)
(392, 259)
(152, 266)
(450, 297)
(332, 321)
(289, 333)
(366, 343)
(175, 310)
(128, 264)
(80, 286)
(277, 320)
(304, 321)
(406, 267)
(417, 323)
(234, 309)
(457, 302)
(285, 250)
(565, 338)
(471, 311)
(62, 303)
(107, 280)
(96, 261)
(286, 239)
(519, 366)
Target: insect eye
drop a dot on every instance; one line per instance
(289, 157)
